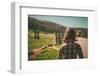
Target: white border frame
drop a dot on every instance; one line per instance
(16, 61)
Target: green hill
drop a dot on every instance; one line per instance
(45, 26)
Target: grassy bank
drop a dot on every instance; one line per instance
(45, 39)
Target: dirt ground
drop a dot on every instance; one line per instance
(84, 45)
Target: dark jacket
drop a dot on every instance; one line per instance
(70, 51)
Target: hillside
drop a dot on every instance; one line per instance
(45, 26)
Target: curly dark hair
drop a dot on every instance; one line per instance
(71, 34)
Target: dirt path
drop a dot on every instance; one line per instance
(84, 45)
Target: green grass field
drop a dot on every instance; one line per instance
(45, 39)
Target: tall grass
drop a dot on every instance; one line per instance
(45, 39)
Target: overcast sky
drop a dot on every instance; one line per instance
(68, 21)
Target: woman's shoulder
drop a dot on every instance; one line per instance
(64, 44)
